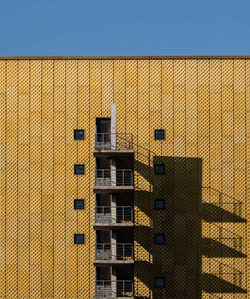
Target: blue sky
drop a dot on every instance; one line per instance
(124, 27)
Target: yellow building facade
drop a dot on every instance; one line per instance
(203, 105)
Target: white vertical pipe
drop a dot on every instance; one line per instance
(113, 143)
(113, 126)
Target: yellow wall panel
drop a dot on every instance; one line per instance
(107, 86)
(35, 178)
(95, 86)
(143, 160)
(2, 176)
(201, 103)
(60, 179)
(47, 89)
(168, 105)
(143, 111)
(120, 92)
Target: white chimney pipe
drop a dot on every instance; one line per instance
(113, 126)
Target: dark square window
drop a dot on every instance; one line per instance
(79, 134)
(159, 239)
(159, 204)
(159, 282)
(159, 169)
(79, 204)
(159, 134)
(79, 169)
(79, 239)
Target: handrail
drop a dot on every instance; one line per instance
(118, 251)
(112, 288)
(113, 141)
(118, 177)
(124, 214)
(105, 214)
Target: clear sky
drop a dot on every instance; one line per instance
(124, 27)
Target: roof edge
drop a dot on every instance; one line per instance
(117, 57)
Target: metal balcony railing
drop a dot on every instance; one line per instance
(104, 215)
(118, 177)
(113, 141)
(124, 214)
(103, 251)
(113, 289)
(119, 251)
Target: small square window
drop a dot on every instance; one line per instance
(159, 239)
(79, 204)
(159, 282)
(159, 134)
(79, 169)
(159, 169)
(159, 204)
(79, 134)
(79, 239)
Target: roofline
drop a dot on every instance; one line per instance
(117, 57)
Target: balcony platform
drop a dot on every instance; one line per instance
(113, 225)
(112, 189)
(113, 262)
(113, 153)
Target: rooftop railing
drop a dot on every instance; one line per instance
(104, 215)
(119, 251)
(118, 177)
(113, 141)
(113, 289)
